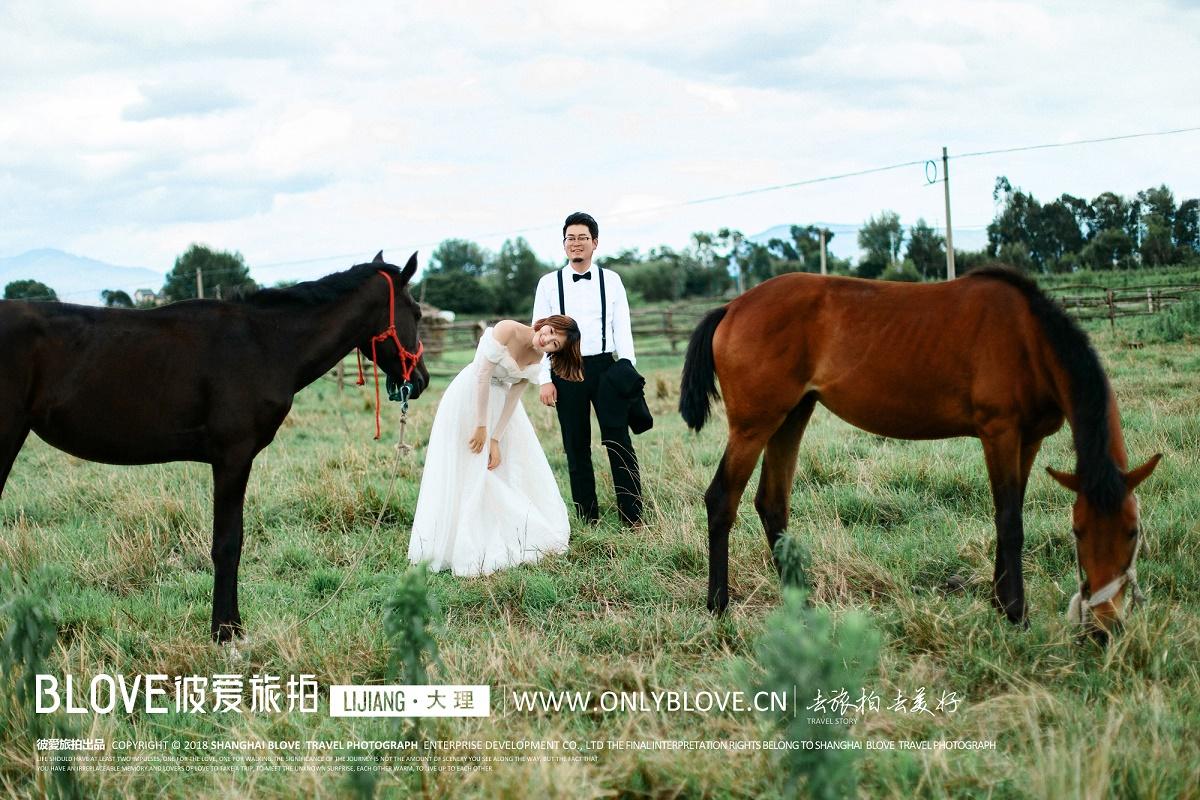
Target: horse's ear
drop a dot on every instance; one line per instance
(378, 258)
(1065, 478)
(1136, 476)
(410, 269)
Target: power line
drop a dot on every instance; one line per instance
(1074, 143)
(763, 189)
(837, 177)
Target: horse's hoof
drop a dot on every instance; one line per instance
(718, 605)
(1018, 618)
(227, 632)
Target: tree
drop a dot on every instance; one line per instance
(653, 281)
(516, 272)
(926, 250)
(115, 298)
(1157, 245)
(221, 272)
(1010, 233)
(702, 246)
(706, 275)
(460, 255)
(1111, 212)
(1027, 234)
(783, 250)
(736, 253)
(454, 278)
(881, 238)
(760, 265)
(808, 245)
(1187, 227)
(1109, 249)
(802, 253)
(1081, 211)
(457, 291)
(1058, 237)
(696, 265)
(29, 290)
(626, 257)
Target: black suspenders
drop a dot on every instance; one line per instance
(562, 304)
(562, 307)
(603, 314)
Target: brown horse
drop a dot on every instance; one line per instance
(987, 355)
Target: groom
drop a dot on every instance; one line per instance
(595, 299)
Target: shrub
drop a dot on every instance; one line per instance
(1175, 323)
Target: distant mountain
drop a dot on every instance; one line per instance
(844, 243)
(76, 279)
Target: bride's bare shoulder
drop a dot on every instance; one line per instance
(504, 329)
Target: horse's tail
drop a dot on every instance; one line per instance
(699, 386)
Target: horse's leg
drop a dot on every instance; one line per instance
(1004, 454)
(12, 438)
(1029, 451)
(229, 492)
(721, 500)
(778, 470)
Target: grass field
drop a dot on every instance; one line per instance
(122, 556)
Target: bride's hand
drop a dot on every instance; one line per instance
(494, 455)
(477, 440)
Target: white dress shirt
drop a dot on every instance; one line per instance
(582, 300)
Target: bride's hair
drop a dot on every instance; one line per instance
(567, 363)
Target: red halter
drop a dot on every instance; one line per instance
(408, 360)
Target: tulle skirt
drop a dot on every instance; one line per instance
(474, 521)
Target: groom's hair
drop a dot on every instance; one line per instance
(580, 218)
(567, 363)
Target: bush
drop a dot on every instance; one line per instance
(1174, 324)
(803, 651)
(654, 281)
(904, 271)
(457, 291)
(411, 616)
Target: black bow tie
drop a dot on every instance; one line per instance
(587, 276)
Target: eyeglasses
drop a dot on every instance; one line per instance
(574, 239)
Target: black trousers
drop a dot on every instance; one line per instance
(574, 417)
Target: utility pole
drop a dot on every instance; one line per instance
(950, 273)
(824, 269)
(200, 283)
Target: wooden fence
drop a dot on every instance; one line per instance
(1091, 301)
(665, 331)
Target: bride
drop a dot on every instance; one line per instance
(490, 501)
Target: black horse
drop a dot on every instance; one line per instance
(199, 380)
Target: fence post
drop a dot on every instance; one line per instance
(1149, 299)
(1112, 316)
(670, 331)
(341, 376)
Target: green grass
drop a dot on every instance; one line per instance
(121, 553)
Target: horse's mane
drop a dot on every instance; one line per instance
(318, 292)
(1100, 479)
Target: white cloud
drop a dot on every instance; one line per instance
(294, 131)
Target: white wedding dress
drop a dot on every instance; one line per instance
(472, 520)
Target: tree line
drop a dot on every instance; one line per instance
(1067, 234)
(1109, 232)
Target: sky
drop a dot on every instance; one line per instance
(308, 136)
